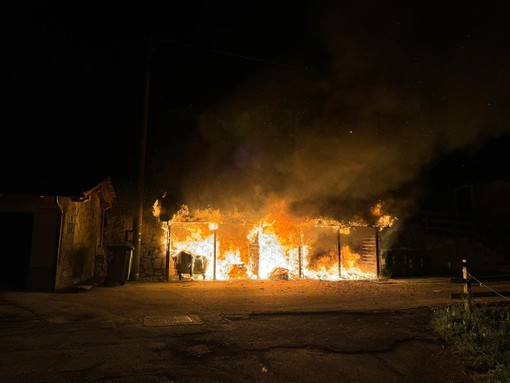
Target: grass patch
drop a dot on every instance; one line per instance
(482, 335)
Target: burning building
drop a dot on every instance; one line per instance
(277, 245)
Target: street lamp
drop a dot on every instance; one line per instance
(214, 228)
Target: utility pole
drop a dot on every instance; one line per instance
(138, 215)
(338, 243)
(214, 255)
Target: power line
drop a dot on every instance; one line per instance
(487, 287)
(239, 56)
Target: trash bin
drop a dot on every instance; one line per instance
(119, 264)
(184, 261)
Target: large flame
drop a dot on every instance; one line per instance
(278, 245)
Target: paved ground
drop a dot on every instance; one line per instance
(239, 331)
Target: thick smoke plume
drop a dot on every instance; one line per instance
(331, 142)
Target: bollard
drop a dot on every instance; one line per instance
(468, 305)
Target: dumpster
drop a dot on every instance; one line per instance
(119, 264)
(186, 263)
(402, 262)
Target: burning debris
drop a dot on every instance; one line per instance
(277, 246)
(279, 274)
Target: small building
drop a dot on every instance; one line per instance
(55, 240)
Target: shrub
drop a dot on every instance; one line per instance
(482, 335)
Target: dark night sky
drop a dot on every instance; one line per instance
(317, 102)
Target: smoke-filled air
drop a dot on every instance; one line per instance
(335, 138)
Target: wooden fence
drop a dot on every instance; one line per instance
(468, 280)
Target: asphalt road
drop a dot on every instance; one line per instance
(236, 331)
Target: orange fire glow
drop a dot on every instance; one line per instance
(234, 246)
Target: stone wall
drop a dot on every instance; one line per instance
(118, 230)
(445, 253)
(153, 254)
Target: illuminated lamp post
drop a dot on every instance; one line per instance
(339, 253)
(300, 257)
(214, 228)
(377, 249)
